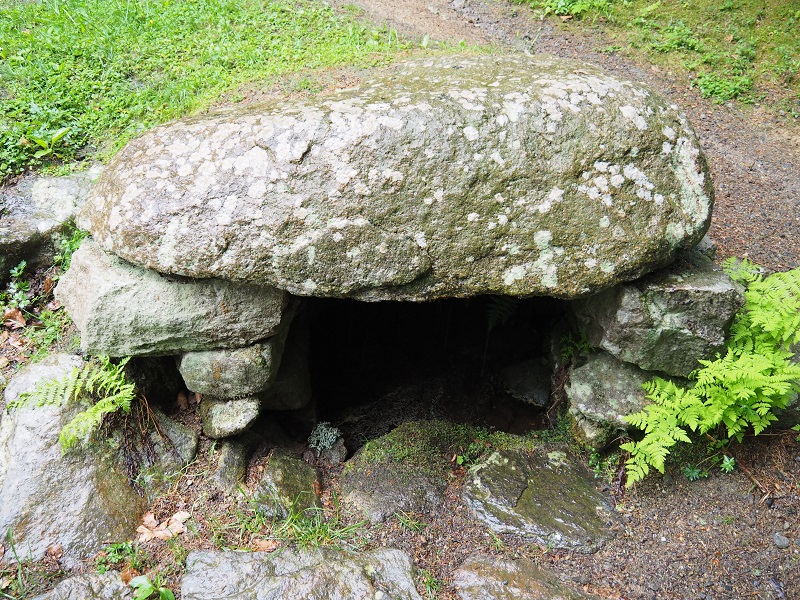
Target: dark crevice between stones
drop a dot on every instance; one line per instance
(377, 365)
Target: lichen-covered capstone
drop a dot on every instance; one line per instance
(453, 176)
(124, 310)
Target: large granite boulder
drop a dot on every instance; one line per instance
(668, 320)
(91, 586)
(549, 500)
(123, 310)
(320, 574)
(77, 500)
(35, 212)
(445, 177)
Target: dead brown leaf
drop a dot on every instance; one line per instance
(55, 551)
(183, 400)
(13, 318)
(127, 574)
(2, 551)
(265, 545)
(566, 17)
(151, 528)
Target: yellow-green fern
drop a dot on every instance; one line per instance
(100, 382)
(738, 391)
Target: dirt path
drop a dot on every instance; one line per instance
(755, 162)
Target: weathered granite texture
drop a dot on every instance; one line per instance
(124, 310)
(445, 177)
(77, 500)
(318, 574)
(668, 320)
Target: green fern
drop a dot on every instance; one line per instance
(738, 391)
(500, 310)
(102, 382)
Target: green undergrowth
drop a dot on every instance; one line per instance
(436, 447)
(730, 48)
(738, 392)
(86, 75)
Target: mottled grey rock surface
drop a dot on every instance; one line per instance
(223, 418)
(78, 500)
(166, 447)
(90, 586)
(549, 500)
(452, 176)
(238, 371)
(124, 310)
(322, 574)
(528, 381)
(484, 577)
(287, 486)
(600, 393)
(35, 212)
(390, 487)
(668, 320)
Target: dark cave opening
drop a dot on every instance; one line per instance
(376, 365)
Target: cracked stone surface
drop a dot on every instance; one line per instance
(445, 177)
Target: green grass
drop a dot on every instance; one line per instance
(745, 49)
(84, 76)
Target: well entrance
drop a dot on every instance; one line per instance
(376, 365)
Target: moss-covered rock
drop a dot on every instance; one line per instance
(547, 499)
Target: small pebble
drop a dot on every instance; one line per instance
(781, 541)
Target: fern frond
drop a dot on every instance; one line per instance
(740, 390)
(101, 383)
(500, 310)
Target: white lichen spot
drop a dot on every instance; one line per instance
(605, 222)
(545, 264)
(473, 216)
(617, 180)
(497, 158)
(477, 157)
(590, 263)
(361, 189)
(607, 267)
(311, 252)
(257, 189)
(502, 219)
(491, 225)
(382, 248)
(420, 239)
(353, 252)
(601, 166)
(658, 199)
(337, 237)
(394, 176)
(438, 195)
(601, 182)
(427, 200)
(501, 120)
(669, 132)
(675, 233)
(632, 114)
(309, 286)
(499, 198)
(666, 148)
(513, 274)
(471, 133)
